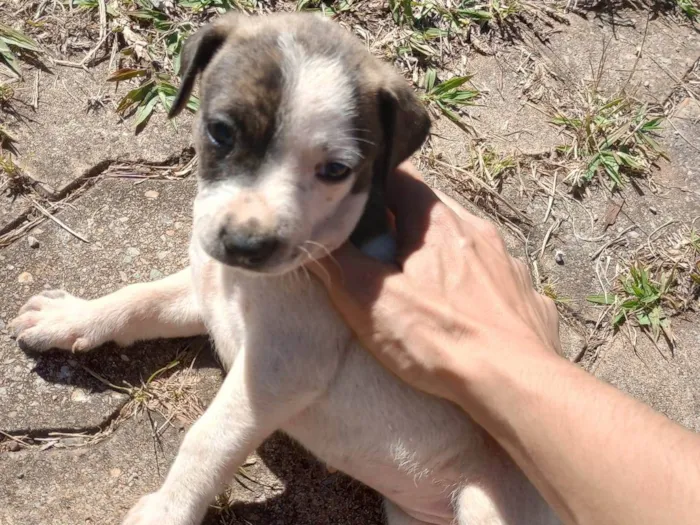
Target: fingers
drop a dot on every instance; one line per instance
(350, 275)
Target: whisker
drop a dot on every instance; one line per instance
(313, 260)
(328, 254)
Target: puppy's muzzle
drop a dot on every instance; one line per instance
(245, 247)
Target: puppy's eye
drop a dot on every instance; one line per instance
(221, 134)
(333, 172)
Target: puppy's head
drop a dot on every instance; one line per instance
(298, 125)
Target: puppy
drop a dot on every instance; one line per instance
(298, 127)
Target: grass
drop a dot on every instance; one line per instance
(15, 182)
(13, 42)
(449, 96)
(328, 8)
(155, 89)
(490, 165)
(614, 137)
(690, 8)
(644, 298)
(6, 94)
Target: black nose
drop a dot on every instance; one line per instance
(246, 248)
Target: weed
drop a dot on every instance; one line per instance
(156, 88)
(490, 165)
(643, 298)
(612, 136)
(449, 96)
(549, 290)
(689, 8)
(15, 182)
(11, 41)
(327, 8)
(221, 6)
(6, 94)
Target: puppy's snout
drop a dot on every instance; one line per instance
(247, 248)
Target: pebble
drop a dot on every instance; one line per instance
(115, 472)
(124, 358)
(20, 475)
(633, 234)
(155, 274)
(559, 257)
(151, 194)
(13, 446)
(133, 252)
(647, 83)
(653, 210)
(33, 242)
(25, 277)
(78, 396)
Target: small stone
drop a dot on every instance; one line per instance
(653, 210)
(20, 475)
(33, 242)
(169, 233)
(13, 446)
(133, 252)
(633, 234)
(124, 358)
(115, 472)
(647, 83)
(151, 194)
(25, 277)
(155, 274)
(79, 396)
(559, 257)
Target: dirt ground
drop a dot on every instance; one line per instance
(573, 125)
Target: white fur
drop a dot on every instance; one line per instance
(293, 364)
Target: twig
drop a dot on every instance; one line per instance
(551, 199)
(57, 221)
(639, 55)
(657, 230)
(70, 64)
(683, 136)
(610, 243)
(547, 235)
(103, 19)
(13, 438)
(486, 188)
(35, 98)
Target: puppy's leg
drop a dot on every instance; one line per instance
(247, 409)
(396, 516)
(56, 319)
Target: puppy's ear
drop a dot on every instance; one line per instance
(405, 123)
(197, 52)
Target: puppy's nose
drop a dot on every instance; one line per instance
(247, 248)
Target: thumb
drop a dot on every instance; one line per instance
(353, 279)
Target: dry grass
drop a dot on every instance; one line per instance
(611, 139)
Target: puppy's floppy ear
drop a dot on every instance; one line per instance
(405, 123)
(197, 52)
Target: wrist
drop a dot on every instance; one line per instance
(493, 385)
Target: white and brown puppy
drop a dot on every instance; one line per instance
(298, 127)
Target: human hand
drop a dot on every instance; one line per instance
(454, 301)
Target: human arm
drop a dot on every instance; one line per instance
(459, 318)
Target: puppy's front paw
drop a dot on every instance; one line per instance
(56, 319)
(156, 509)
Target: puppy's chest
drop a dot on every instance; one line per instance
(288, 315)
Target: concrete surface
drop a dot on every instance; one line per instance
(132, 238)
(140, 232)
(68, 139)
